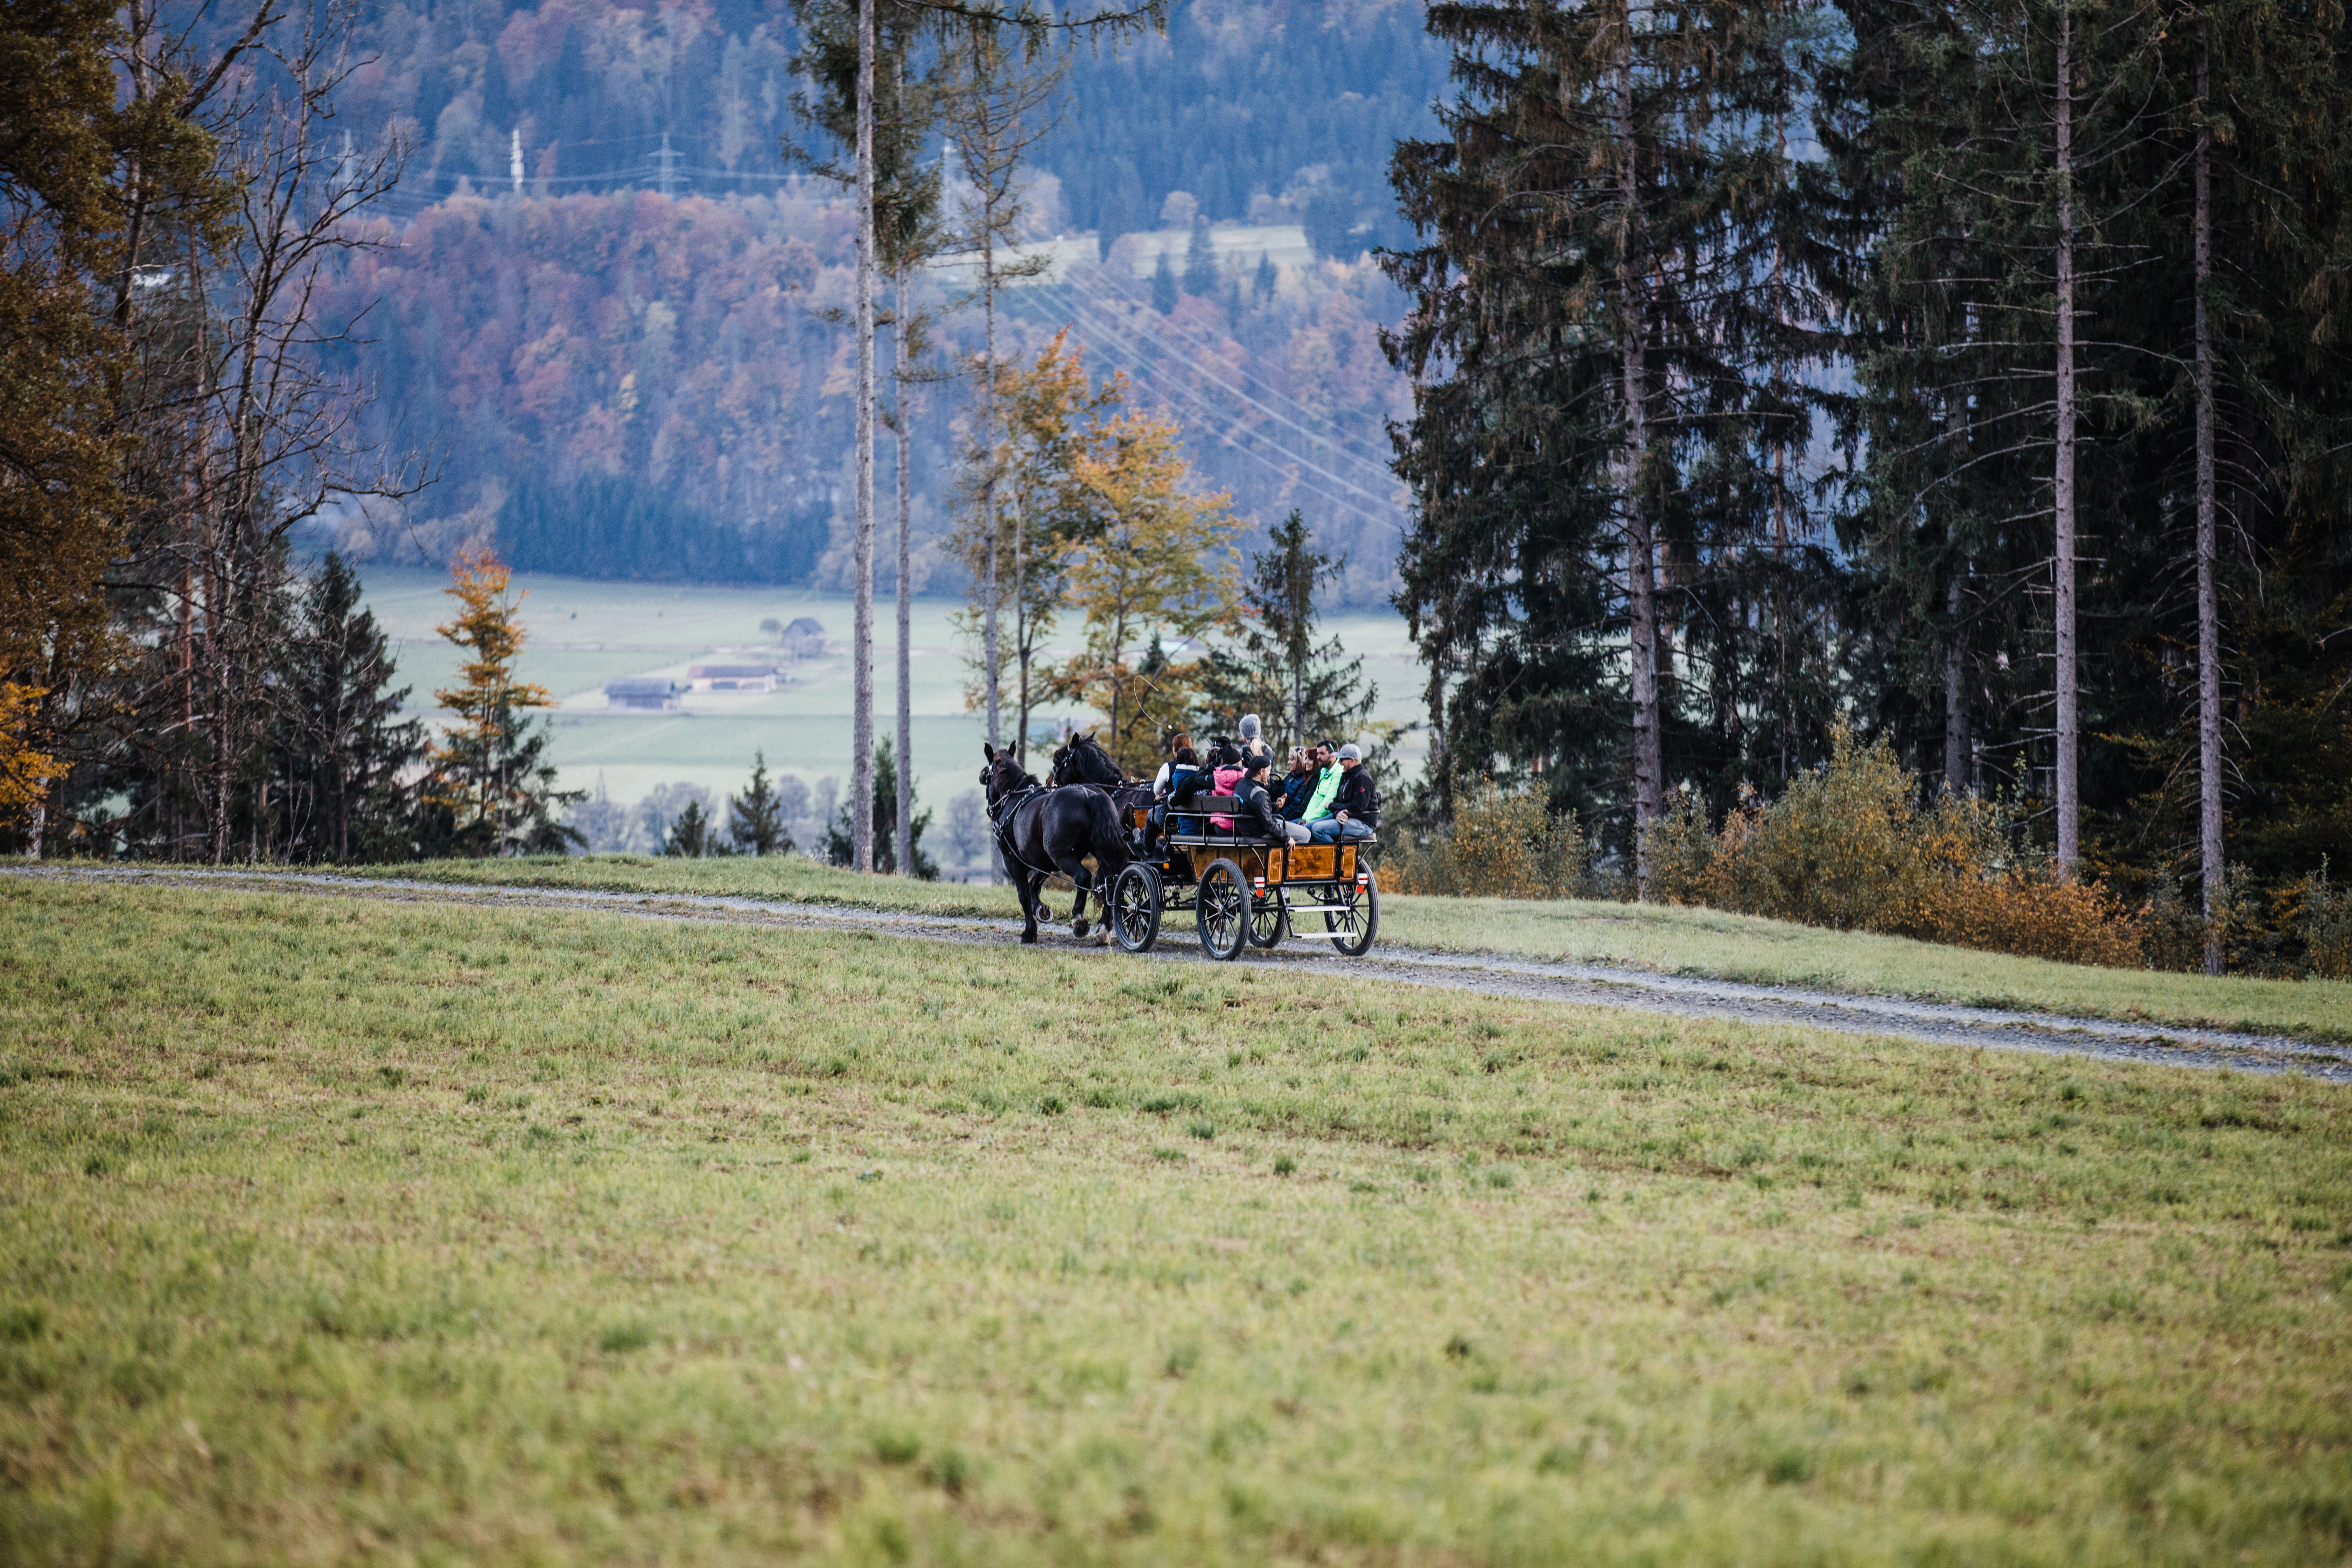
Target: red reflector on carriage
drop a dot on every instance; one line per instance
(1363, 878)
(1258, 884)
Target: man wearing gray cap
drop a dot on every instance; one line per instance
(1356, 809)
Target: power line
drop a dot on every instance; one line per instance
(1383, 515)
(1168, 327)
(1166, 382)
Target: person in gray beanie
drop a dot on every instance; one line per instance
(1355, 808)
(1251, 741)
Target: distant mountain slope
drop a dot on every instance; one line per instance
(1255, 108)
(625, 383)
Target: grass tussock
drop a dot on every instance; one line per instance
(340, 1230)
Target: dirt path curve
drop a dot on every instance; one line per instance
(1632, 989)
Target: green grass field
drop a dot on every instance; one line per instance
(582, 634)
(1684, 941)
(340, 1231)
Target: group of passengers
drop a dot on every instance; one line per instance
(1326, 797)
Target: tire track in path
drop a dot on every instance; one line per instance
(1938, 1023)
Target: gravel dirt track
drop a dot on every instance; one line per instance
(1635, 990)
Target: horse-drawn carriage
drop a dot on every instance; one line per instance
(1243, 889)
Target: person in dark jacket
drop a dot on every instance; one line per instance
(1254, 812)
(1356, 809)
(1296, 784)
(1183, 766)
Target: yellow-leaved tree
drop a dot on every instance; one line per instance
(26, 770)
(1051, 413)
(1156, 567)
(490, 773)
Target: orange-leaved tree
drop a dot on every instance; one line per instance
(1157, 565)
(24, 769)
(490, 773)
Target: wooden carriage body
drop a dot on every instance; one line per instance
(1272, 881)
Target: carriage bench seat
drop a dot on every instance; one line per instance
(1193, 826)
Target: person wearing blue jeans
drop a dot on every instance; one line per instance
(1355, 809)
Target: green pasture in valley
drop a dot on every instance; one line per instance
(1696, 943)
(341, 1230)
(582, 634)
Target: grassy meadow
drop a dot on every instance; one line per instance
(1696, 942)
(582, 634)
(340, 1230)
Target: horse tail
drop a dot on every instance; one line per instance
(1110, 843)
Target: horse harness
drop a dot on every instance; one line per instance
(1001, 813)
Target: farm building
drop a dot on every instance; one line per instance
(804, 638)
(648, 693)
(733, 677)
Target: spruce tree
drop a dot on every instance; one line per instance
(1303, 688)
(1590, 306)
(345, 748)
(692, 835)
(755, 819)
(1163, 286)
(885, 805)
(1200, 262)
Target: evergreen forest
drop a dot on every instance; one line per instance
(1966, 376)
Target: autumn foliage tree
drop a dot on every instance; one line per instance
(1157, 565)
(489, 773)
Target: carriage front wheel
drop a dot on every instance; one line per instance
(1354, 916)
(1135, 906)
(1222, 908)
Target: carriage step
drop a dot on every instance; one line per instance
(1326, 908)
(1323, 935)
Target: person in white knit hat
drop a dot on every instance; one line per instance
(1251, 741)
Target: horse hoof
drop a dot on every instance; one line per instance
(1078, 930)
(1029, 938)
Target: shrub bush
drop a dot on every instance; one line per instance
(1504, 842)
(1849, 848)
(2318, 915)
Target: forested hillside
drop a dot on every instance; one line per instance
(634, 385)
(1250, 105)
(627, 368)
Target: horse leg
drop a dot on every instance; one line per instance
(1074, 868)
(1027, 888)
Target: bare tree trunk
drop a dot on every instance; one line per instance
(1955, 713)
(900, 316)
(989, 642)
(1023, 629)
(2209, 605)
(861, 765)
(2063, 479)
(1641, 566)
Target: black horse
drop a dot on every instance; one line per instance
(1084, 762)
(1042, 830)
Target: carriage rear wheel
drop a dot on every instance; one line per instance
(1135, 906)
(1267, 918)
(1355, 917)
(1223, 910)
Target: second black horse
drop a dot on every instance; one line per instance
(1043, 831)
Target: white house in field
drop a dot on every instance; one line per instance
(732, 678)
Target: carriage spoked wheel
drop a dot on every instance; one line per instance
(1135, 906)
(1222, 908)
(1355, 919)
(1267, 918)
